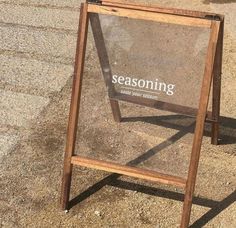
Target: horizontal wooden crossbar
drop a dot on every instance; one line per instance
(156, 8)
(129, 171)
(188, 111)
(153, 16)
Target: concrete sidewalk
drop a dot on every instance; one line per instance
(37, 48)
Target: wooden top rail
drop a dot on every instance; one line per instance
(155, 8)
(152, 16)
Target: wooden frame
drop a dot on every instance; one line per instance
(212, 73)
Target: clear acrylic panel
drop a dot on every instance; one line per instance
(145, 60)
(156, 61)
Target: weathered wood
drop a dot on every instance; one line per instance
(197, 142)
(153, 16)
(74, 106)
(129, 171)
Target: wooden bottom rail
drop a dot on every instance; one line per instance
(129, 171)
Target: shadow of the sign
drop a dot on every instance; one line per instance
(168, 142)
(184, 125)
(218, 1)
(215, 210)
(227, 128)
(112, 180)
(216, 207)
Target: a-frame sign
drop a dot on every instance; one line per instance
(211, 79)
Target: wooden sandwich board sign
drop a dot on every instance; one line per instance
(149, 90)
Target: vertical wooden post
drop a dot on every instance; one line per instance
(217, 86)
(74, 106)
(198, 134)
(115, 110)
(104, 63)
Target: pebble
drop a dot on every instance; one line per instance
(98, 213)
(181, 146)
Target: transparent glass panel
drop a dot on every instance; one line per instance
(143, 60)
(156, 61)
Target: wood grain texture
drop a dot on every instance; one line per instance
(129, 171)
(74, 106)
(159, 9)
(153, 16)
(197, 142)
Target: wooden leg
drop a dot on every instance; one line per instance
(215, 109)
(198, 134)
(74, 106)
(104, 63)
(115, 110)
(187, 208)
(214, 133)
(217, 87)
